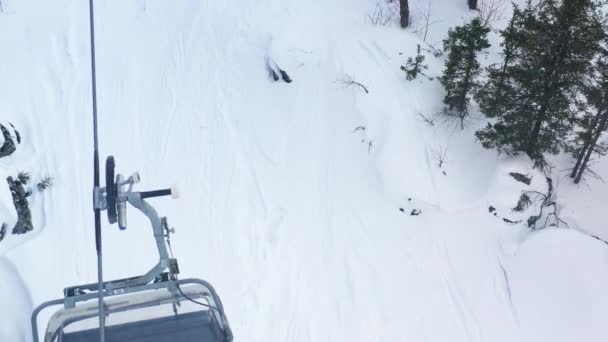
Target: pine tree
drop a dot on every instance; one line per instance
(415, 66)
(462, 68)
(595, 121)
(404, 10)
(555, 52)
(499, 84)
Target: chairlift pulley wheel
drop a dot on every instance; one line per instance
(111, 190)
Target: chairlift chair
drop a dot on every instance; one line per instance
(153, 307)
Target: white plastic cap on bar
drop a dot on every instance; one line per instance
(135, 177)
(174, 191)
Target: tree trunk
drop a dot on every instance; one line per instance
(579, 159)
(405, 13)
(534, 135)
(472, 4)
(587, 139)
(596, 137)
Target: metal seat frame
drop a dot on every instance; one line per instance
(162, 276)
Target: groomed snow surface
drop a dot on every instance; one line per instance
(287, 207)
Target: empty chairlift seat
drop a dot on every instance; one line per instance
(193, 314)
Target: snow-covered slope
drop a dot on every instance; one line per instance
(287, 208)
(550, 260)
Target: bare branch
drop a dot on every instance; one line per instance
(359, 128)
(384, 12)
(592, 174)
(426, 15)
(457, 119)
(433, 50)
(548, 201)
(348, 81)
(491, 11)
(427, 120)
(593, 236)
(440, 156)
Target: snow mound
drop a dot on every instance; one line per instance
(16, 304)
(558, 285)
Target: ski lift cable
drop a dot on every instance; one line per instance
(97, 210)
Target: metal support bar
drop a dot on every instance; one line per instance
(155, 193)
(135, 199)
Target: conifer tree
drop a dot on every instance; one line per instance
(415, 66)
(498, 86)
(595, 121)
(559, 41)
(461, 67)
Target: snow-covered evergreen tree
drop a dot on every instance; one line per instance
(463, 44)
(556, 50)
(499, 86)
(415, 66)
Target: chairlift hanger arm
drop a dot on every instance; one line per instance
(114, 198)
